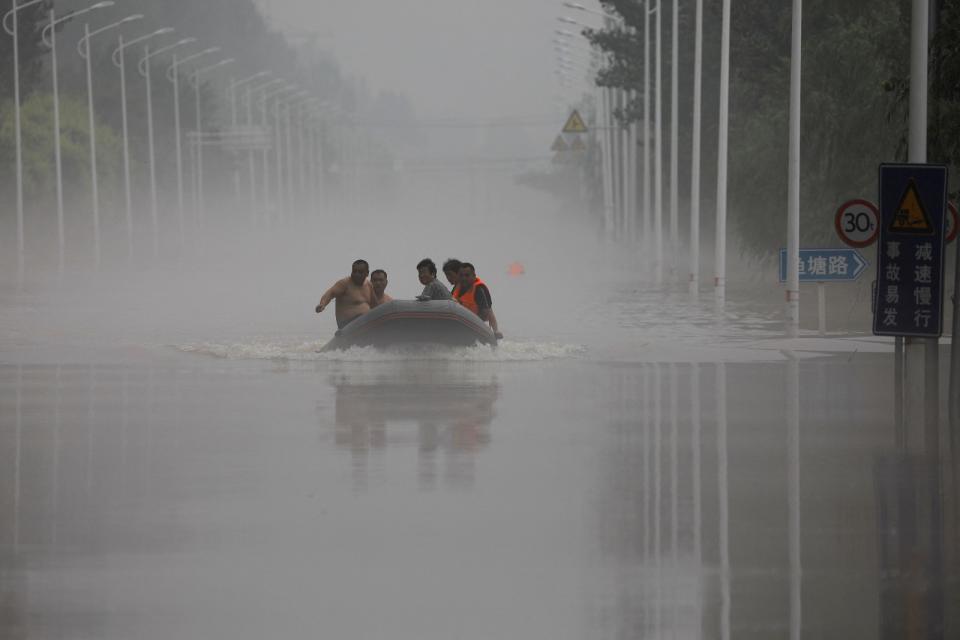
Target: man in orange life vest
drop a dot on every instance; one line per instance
(472, 293)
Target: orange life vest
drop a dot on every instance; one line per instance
(468, 299)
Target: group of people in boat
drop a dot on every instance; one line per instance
(355, 295)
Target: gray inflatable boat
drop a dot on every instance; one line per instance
(399, 322)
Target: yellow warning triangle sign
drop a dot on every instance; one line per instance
(559, 144)
(910, 216)
(575, 123)
(577, 144)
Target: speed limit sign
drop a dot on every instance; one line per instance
(953, 222)
(857, 223)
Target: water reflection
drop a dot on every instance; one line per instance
(445, 412)
(769, 555)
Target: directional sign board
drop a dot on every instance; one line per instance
(575, 123)
(913, 212)
(826, 265)
(857, 223)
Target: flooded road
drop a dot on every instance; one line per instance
(567, 497)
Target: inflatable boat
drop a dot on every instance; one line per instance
(399, 322)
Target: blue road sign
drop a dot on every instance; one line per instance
(826, 265)
(913, 206)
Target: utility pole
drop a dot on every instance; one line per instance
(793, 196)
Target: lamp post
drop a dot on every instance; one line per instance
(51, 30)
(83, 48)
(199, 133)
(13, 30)
(175, 79)
(119, 60)
(143, 68)
(251, 90)
(695, 168)
(232, 95)
(720, 268)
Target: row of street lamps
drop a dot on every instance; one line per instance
(620, 167)
(281, 92)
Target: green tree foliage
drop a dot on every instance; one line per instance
(38, 146)
(854, 102)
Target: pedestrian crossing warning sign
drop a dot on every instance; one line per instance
(559, 144)
(575, 123)
(577, 144)
(910, 216)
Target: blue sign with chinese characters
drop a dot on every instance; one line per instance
(909, 291)
(826, 265)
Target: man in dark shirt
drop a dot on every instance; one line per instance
(476, 296)
(451, 269)
(432, 289)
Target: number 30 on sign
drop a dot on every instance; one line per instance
(858, 223)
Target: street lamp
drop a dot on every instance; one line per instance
(51, 30)
(252, 89)
(199, 133)
(276, 93)
(143, 68)
(13, 30)
(119, 60)
(83, 48)
(232, 95)
(175, 79)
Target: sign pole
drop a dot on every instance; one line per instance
(920, 354)
(793, 204)
(821, 308)
(954, 389)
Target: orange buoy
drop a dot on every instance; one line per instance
(516, 269)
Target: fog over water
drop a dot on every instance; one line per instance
(179, 459)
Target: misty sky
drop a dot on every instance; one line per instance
(478, 58)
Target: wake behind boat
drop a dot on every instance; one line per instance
(400, 322)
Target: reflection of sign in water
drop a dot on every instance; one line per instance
(913, 203)
(446, 419)
(826, 265)
(911, 547)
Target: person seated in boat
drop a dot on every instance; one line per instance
(354, 295)
(473, 293)
(451, 269)
(432, 289)
(378, 281)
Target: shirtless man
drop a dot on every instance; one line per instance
(378, 280)
(354, 295)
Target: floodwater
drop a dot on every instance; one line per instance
(257, 489)
(178, 461)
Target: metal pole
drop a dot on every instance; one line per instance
(199, 156)
(632, 164)
(695, 168)
(15, 31)
(921, 373)
(793, 197)
(94, 193)
(126, 145)
(658, 151)
(674, 145)
(279, 157)
(720, 267)
(233, 124)
(289, 134)
(647, 196)
(266, 162)
(154, 216)
(606, 163)
(176, 126)
(821, 309)
(61, 241)
(301, 175)
(251, 165)
(954, 388)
